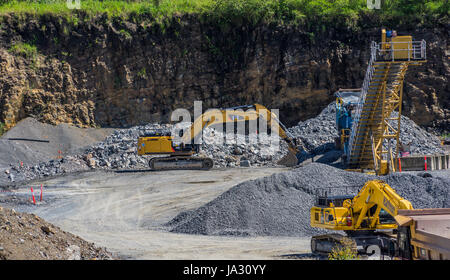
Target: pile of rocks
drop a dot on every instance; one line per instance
(317, 131)
(26, 236)
(418, 139)
(279, 205)
(54, 167)
(320, 132)
(119, 151)
(317, 135)
(230, 150)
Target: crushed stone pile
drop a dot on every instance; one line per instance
(119, 151)
(279, 205)
(26, 236)
(318, 134)
(318, 131)
(32, 142)
(242, 150)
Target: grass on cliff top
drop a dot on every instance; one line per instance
(252, 10)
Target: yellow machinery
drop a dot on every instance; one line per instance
(180, 154)
(373, 122)
(366, 218)
(398, 47)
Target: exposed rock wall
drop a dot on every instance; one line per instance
(118, 73)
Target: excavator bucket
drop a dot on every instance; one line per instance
(289, 160)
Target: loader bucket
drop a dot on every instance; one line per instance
(289, 160)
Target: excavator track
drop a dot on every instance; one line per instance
(324, 244)
(181, 163)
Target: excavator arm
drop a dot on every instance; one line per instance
(380, 195)
(180, 148)
(236, 115)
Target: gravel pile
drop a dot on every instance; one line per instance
(318, 134)
(26, 236)
(279, 205)
(418, 139)
(119, 151)
(242, 150)
(317, 131)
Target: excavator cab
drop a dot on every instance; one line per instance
(329, 211)
(161, 142)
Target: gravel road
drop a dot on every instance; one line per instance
(128, 218)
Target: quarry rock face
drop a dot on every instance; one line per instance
(120, 74)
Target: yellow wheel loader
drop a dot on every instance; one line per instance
(181, 154)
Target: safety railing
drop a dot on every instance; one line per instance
(364, 90)
(393, 51)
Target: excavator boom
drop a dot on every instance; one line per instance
(180, 150)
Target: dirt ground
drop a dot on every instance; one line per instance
(125, 212)
(27, 237)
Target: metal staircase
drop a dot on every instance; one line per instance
(381, 94)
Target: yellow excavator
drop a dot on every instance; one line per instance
(181, 154)
(368, 219)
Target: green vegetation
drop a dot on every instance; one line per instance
(125, 33)
(27, 50)
(2, 128)
(142, 73)
(236, 11)
(24, 49)
(344, 251)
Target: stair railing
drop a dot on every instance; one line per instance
(362, 98)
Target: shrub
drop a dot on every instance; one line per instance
(346, 250)
(2, 128)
